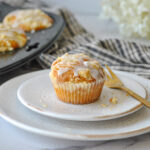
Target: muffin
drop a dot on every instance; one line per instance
(77, 78)
(11, 38)
(28, 19)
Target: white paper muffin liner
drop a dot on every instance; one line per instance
(78, 93)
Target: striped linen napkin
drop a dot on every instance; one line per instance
(117, 53)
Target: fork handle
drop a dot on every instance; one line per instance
(138, 97)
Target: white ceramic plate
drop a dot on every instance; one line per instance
(15, 113)
(38, 95)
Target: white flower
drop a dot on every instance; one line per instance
(132, 16)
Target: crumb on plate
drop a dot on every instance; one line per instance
(113, 100)
(104, 105)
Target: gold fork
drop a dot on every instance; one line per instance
(114, 82)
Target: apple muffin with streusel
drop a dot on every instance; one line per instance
(11, 38)
(28, 19)
(77, 78)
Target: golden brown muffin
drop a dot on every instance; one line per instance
(11, 38)
(28, 19)
(77, 78)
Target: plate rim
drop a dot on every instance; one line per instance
(77, 137)
(69, 118)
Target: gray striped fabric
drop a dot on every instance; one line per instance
(118, 54)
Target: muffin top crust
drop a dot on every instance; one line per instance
(11, 38)
(76, 68)
(28, 19)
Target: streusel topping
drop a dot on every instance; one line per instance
(77, 68)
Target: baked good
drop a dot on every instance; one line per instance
(77, 78)
(11, 38)
(28, 19)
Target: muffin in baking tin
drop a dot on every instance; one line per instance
(11, 38)
(77, 78)
(29, 20)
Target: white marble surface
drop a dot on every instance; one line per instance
(12, 138)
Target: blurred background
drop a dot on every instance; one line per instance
(86, 11)
(127, 19)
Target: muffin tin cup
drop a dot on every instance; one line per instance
(38, 42)
(78, 93)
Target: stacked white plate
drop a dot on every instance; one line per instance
(29, 102)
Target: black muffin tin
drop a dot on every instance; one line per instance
(38, 42)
